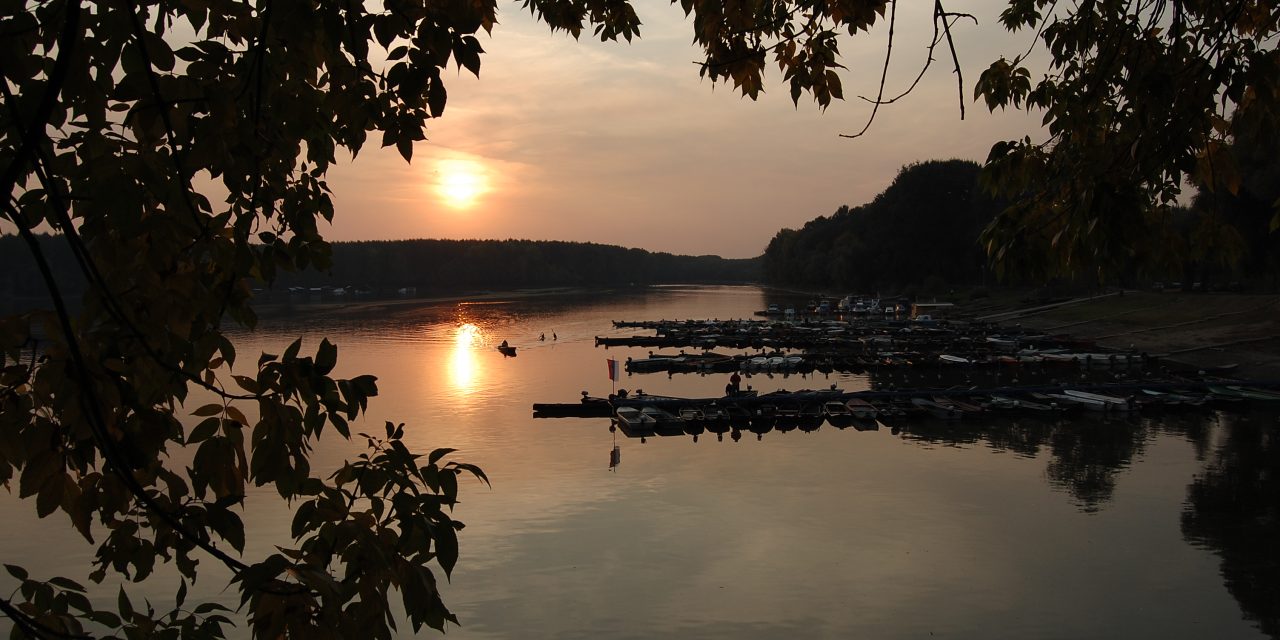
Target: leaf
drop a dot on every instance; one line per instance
(438, 454)
(467, 52)
(291, 353)
(16, 571)
(473, 469)
(212, 409)
(66, 584)
(236, 414)
(405, 146)
(203, 431)
(326, 357)
(446, 548)
(49, 497)
(123, 605)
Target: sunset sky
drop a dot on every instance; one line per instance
(623, 144)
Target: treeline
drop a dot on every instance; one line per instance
(921, 235)
(463, 265)
(438, 266)
(921, 232)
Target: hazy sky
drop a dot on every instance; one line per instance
(623, 144)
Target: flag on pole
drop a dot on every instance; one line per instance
(615, 369)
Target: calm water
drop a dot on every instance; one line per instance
(1156, 528)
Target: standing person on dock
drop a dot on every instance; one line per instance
(735, 382)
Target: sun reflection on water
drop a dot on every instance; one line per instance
(464, 366)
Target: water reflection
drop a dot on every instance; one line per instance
(976, 529)
(1233, 508)
(464, 365)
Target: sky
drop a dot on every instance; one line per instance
(623, 144)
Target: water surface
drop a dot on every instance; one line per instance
(1160, 527)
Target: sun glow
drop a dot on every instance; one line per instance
(461, 182)
(463, 364)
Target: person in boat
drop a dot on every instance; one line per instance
(728, 389)
(735, 381)
(504, 345)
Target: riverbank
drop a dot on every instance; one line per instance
(1199, 330)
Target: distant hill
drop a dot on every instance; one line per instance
(922, 230)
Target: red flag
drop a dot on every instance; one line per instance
(614, 369)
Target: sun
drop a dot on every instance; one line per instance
(460, 182)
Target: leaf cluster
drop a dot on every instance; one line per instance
(112, 114)
(1138, 97)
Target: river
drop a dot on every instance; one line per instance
(1156, 527)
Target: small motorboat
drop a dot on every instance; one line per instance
(507, 350)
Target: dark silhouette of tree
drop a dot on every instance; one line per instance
(925, 225)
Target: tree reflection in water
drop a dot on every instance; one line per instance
(1233, 508)
(1085, 455)
(1089, 454)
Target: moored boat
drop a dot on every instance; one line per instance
(937, 410)
(837, 413)
(861, 409)
(1113, 403)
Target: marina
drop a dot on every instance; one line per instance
(1057, 375)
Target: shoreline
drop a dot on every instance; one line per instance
(1193, 330)
(273, 309)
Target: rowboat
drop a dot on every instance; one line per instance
(937, 410)
(1090, 404)
(1113, 403)
(662, 419)
(861, 409)
(837, 413)
(633, 419)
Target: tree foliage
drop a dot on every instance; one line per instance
(923, 227)
(1138, 98)
(113, 113)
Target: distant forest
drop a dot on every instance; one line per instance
(457, 265)
(921, 235)
(439, 266)
(921, 231)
